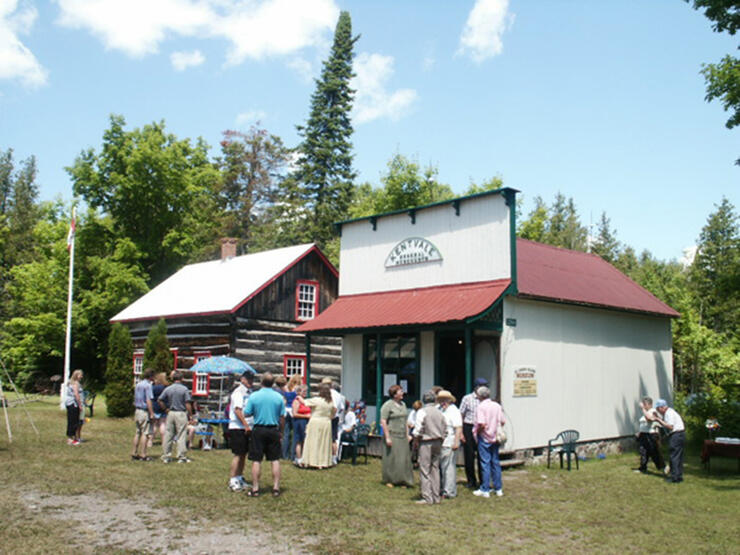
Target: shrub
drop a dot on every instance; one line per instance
(157, 354)
(119, 389)
(722, 404)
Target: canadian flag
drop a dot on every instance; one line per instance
(71, 234)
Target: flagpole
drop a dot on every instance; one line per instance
(68, 339)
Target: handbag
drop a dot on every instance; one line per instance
(500, 434)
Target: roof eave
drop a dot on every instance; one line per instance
(521, 295)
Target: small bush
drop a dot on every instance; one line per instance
(119, 389)
(722, 404)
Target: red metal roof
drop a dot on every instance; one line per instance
(552, 273)
(430, 305)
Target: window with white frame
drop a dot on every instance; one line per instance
(138, 366)
(307, 300)
(201, 382)
(294, 364)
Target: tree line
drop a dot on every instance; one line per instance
(152, 202)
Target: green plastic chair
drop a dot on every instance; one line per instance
(355, 441)
(563, 444)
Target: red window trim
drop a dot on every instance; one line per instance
(285, 365)
(195, 384)
(173, 350)
(298, 284)
(201, 354)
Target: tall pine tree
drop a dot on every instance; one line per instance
(325, 176)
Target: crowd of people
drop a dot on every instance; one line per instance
(280, 420)
(430, 436)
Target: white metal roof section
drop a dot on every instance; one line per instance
(212, 287)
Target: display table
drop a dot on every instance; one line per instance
(713, 448)
(216, 423)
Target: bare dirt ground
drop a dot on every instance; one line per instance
(105, 524)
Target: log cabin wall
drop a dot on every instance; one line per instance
(189, 336)
(277, 301)
(263, 343)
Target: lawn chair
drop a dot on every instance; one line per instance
(355, 441)
(564, 444)
(88, 399)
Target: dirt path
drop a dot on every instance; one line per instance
(109, 523)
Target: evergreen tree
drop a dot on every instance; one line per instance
(535, 226)
(157, 354)
(715, 273)
(605, 244)
(325, 176)
(119, 389)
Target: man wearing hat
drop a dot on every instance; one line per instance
(240, 428)
(428, 434)
(468, 409)
(453, 433)
(673, 422)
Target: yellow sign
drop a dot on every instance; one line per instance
(525, 382)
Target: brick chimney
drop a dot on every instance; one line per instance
(228, 248)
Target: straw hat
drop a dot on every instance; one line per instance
(445, 395)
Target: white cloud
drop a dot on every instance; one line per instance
(373, 100)
(250, 117)
(183, 60)
(253, 29)
(16, 60)
(481, 37)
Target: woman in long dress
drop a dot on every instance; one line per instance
(397, 468)
(317, 447)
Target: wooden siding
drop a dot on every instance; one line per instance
(278, 300)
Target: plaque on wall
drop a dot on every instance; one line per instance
(414, 250)
(525, 382)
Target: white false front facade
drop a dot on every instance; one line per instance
(554, 362)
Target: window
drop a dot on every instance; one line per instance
(399, 365)
(294, 364)
(306, 300)
(201, 380)
(138, 366)
(201, 384)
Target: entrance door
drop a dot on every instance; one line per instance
(450, 370)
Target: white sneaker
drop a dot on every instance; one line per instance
(479, 493)
(667, 470)
(499, 493)
(234, 485)
(242, 481)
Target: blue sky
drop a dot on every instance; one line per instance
(602, 101)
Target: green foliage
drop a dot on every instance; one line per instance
(557, 225)
(149, 182)
(157, 354)
(605, 244)
(325, 175)
(715, 273)
(119, 389)
(723, 78)
(489, 185)
(253, 166)
(405, 185)
(716, 403)
(534, 228)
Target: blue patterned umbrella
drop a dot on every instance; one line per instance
(222, 365)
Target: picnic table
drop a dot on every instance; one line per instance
(210, 422)
(720, 448)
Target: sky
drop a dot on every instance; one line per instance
(600, 101)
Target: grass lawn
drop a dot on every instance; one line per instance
(602, 507)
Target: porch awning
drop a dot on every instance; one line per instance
(426, 306)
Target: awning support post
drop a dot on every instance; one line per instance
(468, 359)
(308, 360)
(378, 381)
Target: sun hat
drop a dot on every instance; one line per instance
(660, 403)
(444, 394)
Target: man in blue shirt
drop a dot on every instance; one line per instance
(143, 416)
(267, 406)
